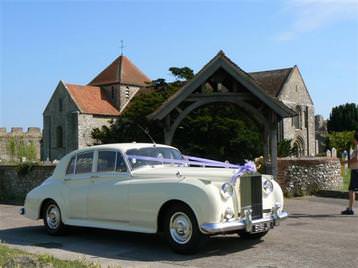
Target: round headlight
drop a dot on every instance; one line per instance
(227, 190)
(267, 186)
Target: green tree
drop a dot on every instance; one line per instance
(18, 149)
(183, 73)
(11, 147)
(340, 140)
(220, 131)
(285, 149)
(343, 118)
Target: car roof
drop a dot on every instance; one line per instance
(122, 146)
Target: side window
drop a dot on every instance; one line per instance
(106, 161)
(84, 162)
(71, 166)
(120, 165)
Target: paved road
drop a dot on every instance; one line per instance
(315, 235)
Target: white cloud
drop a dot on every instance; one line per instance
(311, 15)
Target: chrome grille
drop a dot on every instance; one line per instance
(251, 195)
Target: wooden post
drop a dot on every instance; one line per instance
(266, 138)
(168, 135)
(273, 138)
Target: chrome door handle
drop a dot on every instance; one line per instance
(67, 179)
(94, 177)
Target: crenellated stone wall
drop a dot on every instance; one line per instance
(32, 135)
(302, 176)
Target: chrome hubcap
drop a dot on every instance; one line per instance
(53, 216)
(181, 228)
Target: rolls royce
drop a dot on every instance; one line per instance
(153, 188)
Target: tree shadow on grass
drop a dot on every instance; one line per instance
(121, 245)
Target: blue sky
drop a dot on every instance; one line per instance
(44, 42)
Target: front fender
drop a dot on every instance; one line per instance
(278, 194)
(204, 199)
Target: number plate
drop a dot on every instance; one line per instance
(261, 227)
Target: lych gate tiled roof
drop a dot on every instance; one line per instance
(90, 100)
(123, 71)
(271, 81)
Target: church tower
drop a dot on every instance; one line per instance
(120, 81)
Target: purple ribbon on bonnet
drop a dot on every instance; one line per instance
(248, 167)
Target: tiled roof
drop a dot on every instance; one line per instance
(123, 71)
(271, 81)
(91, 100)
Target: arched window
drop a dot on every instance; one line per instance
(299, 146)
(59, 137)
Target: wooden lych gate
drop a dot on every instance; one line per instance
(222, 81)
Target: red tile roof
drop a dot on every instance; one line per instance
(121, 70)
(91, 100)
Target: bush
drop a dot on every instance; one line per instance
(18, 149)
(24, 168)
(285, 149)
(341, 141)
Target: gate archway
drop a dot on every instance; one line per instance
(223, 81)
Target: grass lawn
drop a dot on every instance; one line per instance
(10, 257)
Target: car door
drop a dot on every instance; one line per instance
(76, 183)
(108, 193)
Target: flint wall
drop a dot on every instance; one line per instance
(16, 182)
(302, 176)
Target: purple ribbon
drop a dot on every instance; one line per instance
(249, 166)
(203, 160)
(183, 162)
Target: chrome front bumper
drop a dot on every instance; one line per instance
(246, 223)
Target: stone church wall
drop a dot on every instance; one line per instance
(86, 123)
(60, 112)
(294, 95)
(33, 135)
(120, 95)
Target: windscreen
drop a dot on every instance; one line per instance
(156, 152)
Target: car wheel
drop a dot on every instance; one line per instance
(52, 218)
(246, 235)
(181, 230)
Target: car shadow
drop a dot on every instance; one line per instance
(304, 215)
(121, 245)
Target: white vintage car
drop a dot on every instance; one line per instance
(151, 188)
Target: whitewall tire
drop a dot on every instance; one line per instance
(52, 218)
(181, 230)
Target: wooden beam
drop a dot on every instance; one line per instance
(219, 96)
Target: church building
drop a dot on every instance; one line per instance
(74, 110)
(288, 86)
